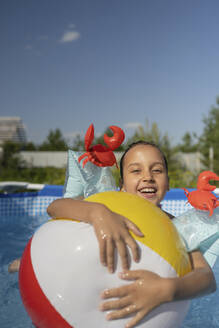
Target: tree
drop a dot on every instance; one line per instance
(147, 133)
(210, 137)
(153, 134)
(179, 177)
(10, 163)
(55, 141)
(12, 167)
(78, 143)
(189, 143)
(29, 146)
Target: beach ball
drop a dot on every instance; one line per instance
(61, 277)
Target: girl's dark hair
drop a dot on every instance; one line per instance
(132, 145)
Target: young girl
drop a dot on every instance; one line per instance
(144, 172)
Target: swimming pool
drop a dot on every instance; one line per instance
(21, 214)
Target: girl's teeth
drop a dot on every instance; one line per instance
(147, 190)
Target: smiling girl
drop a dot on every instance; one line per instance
(144, 172)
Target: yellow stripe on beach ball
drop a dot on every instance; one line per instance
(160, 235)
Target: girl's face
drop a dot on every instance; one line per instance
(145, 174)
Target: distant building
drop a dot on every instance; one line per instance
(12, 129)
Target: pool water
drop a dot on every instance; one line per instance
(14, 234)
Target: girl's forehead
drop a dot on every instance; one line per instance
(144, 152)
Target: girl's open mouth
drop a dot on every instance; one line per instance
(148, 192)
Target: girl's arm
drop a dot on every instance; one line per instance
(199, 282)
(148, 290)
(112, 229)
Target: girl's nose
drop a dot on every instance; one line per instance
(147, 176)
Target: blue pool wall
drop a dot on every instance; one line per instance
(35, 203)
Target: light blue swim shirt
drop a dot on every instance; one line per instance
(197, 229)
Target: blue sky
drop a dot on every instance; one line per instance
(65, 64)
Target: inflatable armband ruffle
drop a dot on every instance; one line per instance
(86, 181)
(200, 232)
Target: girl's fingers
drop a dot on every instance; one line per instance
(110, 254)
(102, 251)
(131, 275)
(134, 248)
(115, 304)
(123, 253)
(115, 234)
(115, 292)
(133, 227)
(126, 311)
(138, 317)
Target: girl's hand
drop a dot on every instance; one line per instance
(147, 292)
(112, 231)
(14, 266)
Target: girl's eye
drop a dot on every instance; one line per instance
(135, 171)
(157, 171)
